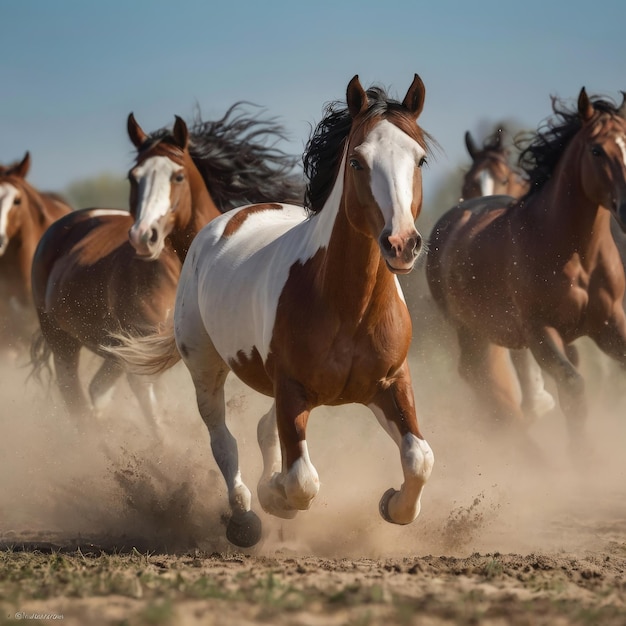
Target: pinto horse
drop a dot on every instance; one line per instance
(25, 213)
(99, 271)
(303, 305)
(544, 270)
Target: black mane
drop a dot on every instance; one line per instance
(540, 151)
(238, 158)
(324, 149)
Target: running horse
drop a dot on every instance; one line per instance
(102, 271)
(25, 213)
(544, 270)
(491, 173)
(303, 305)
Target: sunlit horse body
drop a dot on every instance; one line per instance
(25, 213)
(303, 305)
(544, 270)
(99, 271)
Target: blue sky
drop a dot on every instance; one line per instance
(72, 70)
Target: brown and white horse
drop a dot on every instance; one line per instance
(304, 305)
(25, 213)
(100, 271)
(544, 270)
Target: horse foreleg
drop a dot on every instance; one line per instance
(66, 368)
(298, 479)
(102, 385)
(536, 401)
(143, 388)
(271, 494)
(394, 408)
(488, 370)
(551, 354)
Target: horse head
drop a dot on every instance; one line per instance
(161, 183)
(603, 155)
(383, 180)
(490, 172)
(12, 195)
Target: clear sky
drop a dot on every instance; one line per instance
(72, 70)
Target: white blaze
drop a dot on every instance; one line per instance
(154, 181)
(392, 157)
(7, 198)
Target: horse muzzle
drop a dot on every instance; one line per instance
(400, 251)
(147, 242)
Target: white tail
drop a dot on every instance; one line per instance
(145, 355)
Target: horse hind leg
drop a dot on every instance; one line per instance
(208, 372)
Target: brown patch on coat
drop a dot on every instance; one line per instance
(237, 220)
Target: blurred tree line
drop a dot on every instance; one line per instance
(106, 191)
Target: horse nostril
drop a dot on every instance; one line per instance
(154, 235)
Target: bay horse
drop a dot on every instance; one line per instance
(303, 305)
(25, 213)
(491, 174)
(102, 271)
(541, 271)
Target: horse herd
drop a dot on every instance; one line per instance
(227, 261)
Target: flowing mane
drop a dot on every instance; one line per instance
(325, 146)
(238, 158)
(540, 151)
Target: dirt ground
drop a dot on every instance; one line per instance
(119, 525)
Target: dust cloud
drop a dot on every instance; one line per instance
(117, 485)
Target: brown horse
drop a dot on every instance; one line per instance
(98, 271)
(544, 270)
(491, 173)
(25, 213)
(304, 306)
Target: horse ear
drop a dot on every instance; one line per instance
(498, 142)
(356, 97)
(622, 110)
(470, 145)
(135, 132)
(21, 169)
(181, 134)
(585, 108)
(414, 99)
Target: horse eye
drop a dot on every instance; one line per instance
(17, 201)
(423, 161)
(596, 151)
(179, 178)
(355, 165)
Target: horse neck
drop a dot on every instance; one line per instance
(352, 272)
(201, 211)
(37, 217)
(573, 223)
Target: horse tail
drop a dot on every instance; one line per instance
(40, 353)
(147, 355)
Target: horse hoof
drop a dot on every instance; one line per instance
(383, 505)
(244, 530)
